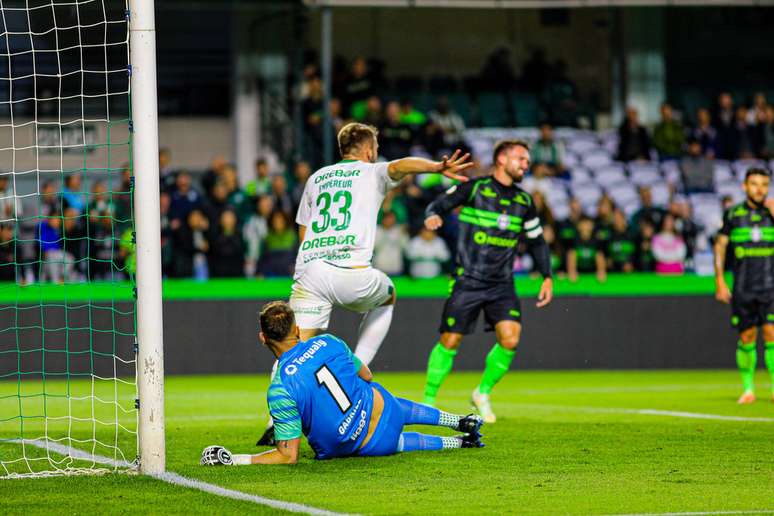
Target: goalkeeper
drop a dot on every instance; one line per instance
(495, 214)
(323, 391)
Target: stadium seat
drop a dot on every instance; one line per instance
(623, 194)
(570, 160)
(460, 103)
(608, 175)
(441, 84)
(645, 174)
(741, 166)
(582, 146)
(526, 109)
(660, 194)
(596, 159)
(493, 110)
(722, 171)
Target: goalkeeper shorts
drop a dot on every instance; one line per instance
(385, 438)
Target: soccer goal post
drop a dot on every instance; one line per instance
(81, 349)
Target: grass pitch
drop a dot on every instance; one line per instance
(565, 443)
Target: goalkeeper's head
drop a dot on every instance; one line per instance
(277, 327)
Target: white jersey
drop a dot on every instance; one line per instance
(339, 209)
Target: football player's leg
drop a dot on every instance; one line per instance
(374, 326)
(768, 356)
(746, 360)
(414, 441)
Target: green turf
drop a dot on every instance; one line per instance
(565, 443)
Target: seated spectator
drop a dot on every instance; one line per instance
(56, 265)
(704, 133)
(540, 179)
(696, 171)
(389, 245)
(648, 211)
(427, 254)
(191, 245)
(7, 253)
(72, 194)
(643, 242)
(213, 174)
(548, 150)
(227, 252)
(411, 116)
(621, 245)
(634, 142)
(567, 232)
(255, 231)
(184, 198)
(669, 249)
(723, 122)
(279, 191)
(395, 137)
(261, 185)
(100, 233)
(757, 111)
(370, 112)
(680, 209)
(301, 172)
(603, 222)
(449, 121)
(586, 254)
(668, 135)
(167, 174)
(280, 247)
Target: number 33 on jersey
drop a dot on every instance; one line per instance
(339, 210)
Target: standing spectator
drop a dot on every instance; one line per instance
(586, 254)
(684, 225)
(167, 255)
(166, 172)
(227, 250)
(548, 150)
(255, 231)
(395, 137)
(742, 145)
(279, 190)
(218, 201)
(634, 142)
(567, 232)
(449, 121)
(390, 244)
(72, 194)
(370, 112)
(723, 121)
(621, 247)
(191, 244)
(122, 200)
(706, 135)
(603, 223)
(10, 207)
(669, 249)
(497, 73)
(8, 263)
(49, 199)
(301, 171)
(280, 249)
(766, 134)
(696, 171)
(560, 96)
(668, 135)
(57, 265)
(427, 253)
(184, 198)
(74, 241)
(238, 200)
(100, 233)
(261, 185)
(643, 257)
(757, 111)
(648, 211)
(358, 86)
(411, 116)
(213, 174)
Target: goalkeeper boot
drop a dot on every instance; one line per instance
(746, 398)
(267, 439)
(481, 403)
(216, 456)
(472, 440)
(470, 424)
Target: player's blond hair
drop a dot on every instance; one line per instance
(504, 145)
(355, 134)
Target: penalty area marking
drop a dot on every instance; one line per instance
(179, 480)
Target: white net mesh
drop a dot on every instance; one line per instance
(67, 313)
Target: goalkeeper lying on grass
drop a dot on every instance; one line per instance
(323, 391)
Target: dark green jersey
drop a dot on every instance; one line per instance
(492, 219)
(750, 231)
(621, 249)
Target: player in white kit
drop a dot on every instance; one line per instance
(337, 226)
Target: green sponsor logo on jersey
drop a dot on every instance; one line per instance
(523, 199)
(336, 173)
(514, 313)
(481, 238)
(740, 211)
(329, 241)
(488, 192)
(753, 252)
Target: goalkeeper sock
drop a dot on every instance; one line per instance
(439, 365)
(413, 441)
(420, 414)
(746, 358)
(242, 459)
(769, 359)
(373, 330)
(497, 363)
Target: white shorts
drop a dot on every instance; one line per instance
(323, 286)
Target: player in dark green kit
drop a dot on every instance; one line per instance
(749, 229)
(495, 214)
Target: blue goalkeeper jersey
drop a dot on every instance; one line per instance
(317, 392)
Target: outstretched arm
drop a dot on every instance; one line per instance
(454, 196)
(286, 452)
(450, 167)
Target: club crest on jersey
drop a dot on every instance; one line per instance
(503, 221)
(756, 234)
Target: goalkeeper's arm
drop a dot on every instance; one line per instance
(286, 452)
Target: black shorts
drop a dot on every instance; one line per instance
(752, 309)
(468, 297)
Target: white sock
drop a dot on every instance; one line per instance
(243, 459)
(373, 330)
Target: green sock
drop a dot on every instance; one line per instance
(439, 364)
(746, 358)
(497, 363)
(769, 359)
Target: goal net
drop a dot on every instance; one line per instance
(67, 247)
